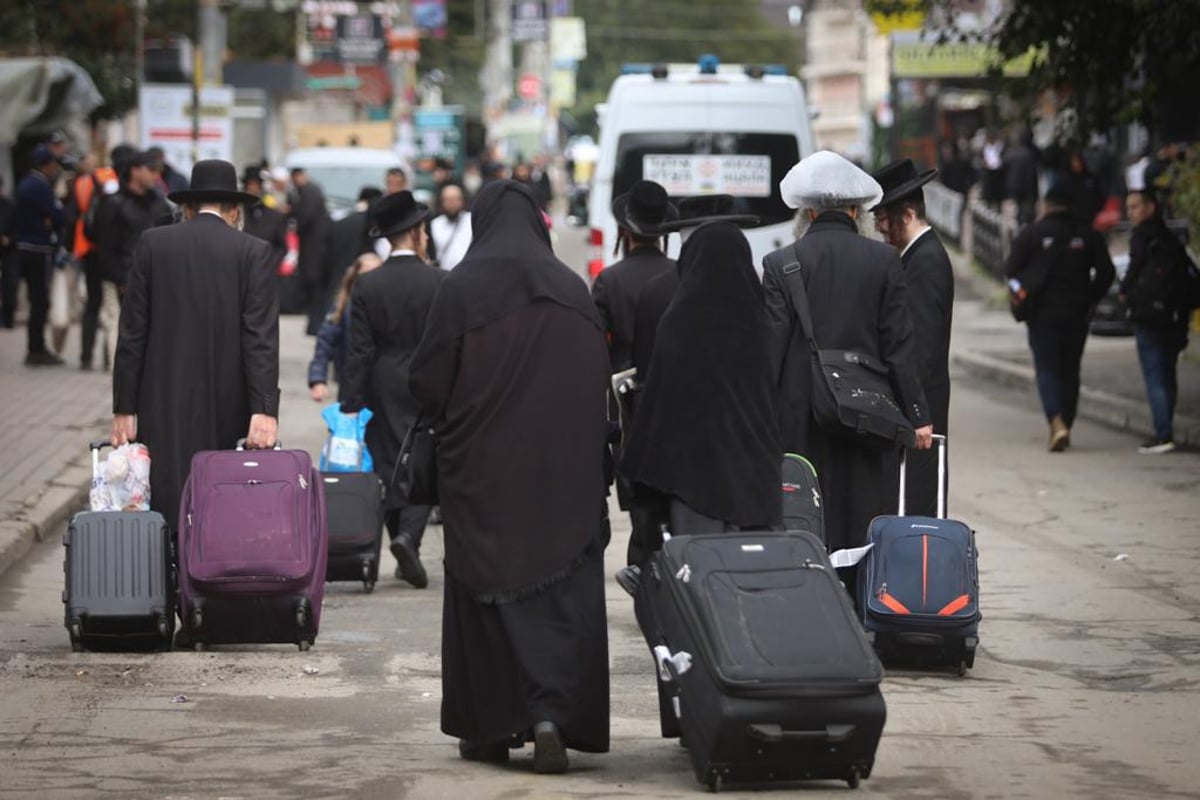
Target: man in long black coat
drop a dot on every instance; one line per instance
(349, 237)
(312, 226)
(858, 302)
(900, 218)
(261, 222)
(616, 290)
(388, 308)
(197, 362)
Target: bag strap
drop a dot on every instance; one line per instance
(794, 278)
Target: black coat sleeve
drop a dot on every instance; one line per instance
(134, 328)
(360, 354)
(260, 331)
(930, 296)
(601, 296)
(897, 346)
(1103, 270)
(1021, 254)
(1138, 252)
(433, 383)
(781, 318)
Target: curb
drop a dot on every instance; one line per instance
(1094, 404)
(44, 514)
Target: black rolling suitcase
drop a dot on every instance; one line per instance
(354, 505)
(120, 590)
(767, 669)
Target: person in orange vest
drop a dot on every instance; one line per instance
(87, 190)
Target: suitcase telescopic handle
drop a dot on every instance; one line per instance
(777, 734)
(939, 441)
(241, 445)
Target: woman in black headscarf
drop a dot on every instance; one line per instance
(514, 367)
(706, 437)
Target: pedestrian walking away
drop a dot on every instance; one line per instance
(197, 363)
(858, 302)
(639, 214)
(388, 308)
(307, 203)
(349, 237)
(36, 230)
(705, 441)
(262, 222)
(513, 369)
(900, 219)
(1061, 269)
(1160, 303)
(332, 339)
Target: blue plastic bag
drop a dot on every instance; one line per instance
(345, 449)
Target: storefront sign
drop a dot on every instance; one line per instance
(915, 57)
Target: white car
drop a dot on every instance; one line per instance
(342, 172)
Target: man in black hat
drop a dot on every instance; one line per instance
(313, 223)
(900, 219)
(639, 213)
(1061, 265)
(262, 222)
(197, 363)
(388, 308)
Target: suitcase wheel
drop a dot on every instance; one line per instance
(75, 631)
(368, 587)
(853, 779)
(304, 645)
(302, 614)
(163, 629)
(715, 783)
(197, 617)
(368, 584)
(199, 647)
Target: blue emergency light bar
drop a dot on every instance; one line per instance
(707, 64)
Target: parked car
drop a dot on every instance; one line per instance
(1112, 316)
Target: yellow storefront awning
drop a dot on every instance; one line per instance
(919, 55)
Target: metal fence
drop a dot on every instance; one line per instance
(991, 238)
(944, 210)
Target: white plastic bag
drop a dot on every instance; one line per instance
(122, 481)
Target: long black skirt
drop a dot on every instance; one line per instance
(543, 658)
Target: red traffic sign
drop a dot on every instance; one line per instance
(529, 86)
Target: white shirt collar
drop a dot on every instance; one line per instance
(211, 211)
(397, 253)
(913, 240)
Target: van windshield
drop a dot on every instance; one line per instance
(748, 166)
(341, 184)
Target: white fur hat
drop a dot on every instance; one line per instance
(825, 179)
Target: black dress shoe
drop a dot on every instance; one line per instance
(43, 359)
(549, 752)
(408, 562)
(630, 579)
(489, 752)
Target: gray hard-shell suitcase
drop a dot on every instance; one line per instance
(119, 579)
(769, 673)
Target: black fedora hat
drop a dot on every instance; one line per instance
(252, 172)
(701, 209)
(213, 181)
(396, 214)
(644, 208)
(901, 179)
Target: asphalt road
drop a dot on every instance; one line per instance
(1086, 684)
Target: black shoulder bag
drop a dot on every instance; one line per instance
(415, 475)
(851, 391)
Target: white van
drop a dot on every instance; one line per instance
(342, 171)
(701, 128)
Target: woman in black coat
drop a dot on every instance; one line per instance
(388, 308)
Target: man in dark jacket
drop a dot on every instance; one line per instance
(388, 307)
(312, 226)
(262, 222)
(1021, 177)
(900, 218)
(1063, 266)
(1156, 290)
(858, 301)
(638, 213)
(349, 237)
(197, 364)
(36, 229)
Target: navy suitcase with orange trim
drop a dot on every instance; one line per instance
(918, 587)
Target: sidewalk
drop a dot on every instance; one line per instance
(989, 345)
(52, 413)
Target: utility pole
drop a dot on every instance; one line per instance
(209, 56)
(496, 76)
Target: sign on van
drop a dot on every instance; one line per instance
(683, 175)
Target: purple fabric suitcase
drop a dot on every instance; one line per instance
(253, 545)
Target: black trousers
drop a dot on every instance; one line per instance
(35, 271)
(645, 538)
(1057, 355)
(91, 310)
(10, 282)
(410, 520)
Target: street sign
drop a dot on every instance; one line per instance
(529, 86)
(440, 133)
(568, 39)
(165, 117)
(529, 21)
